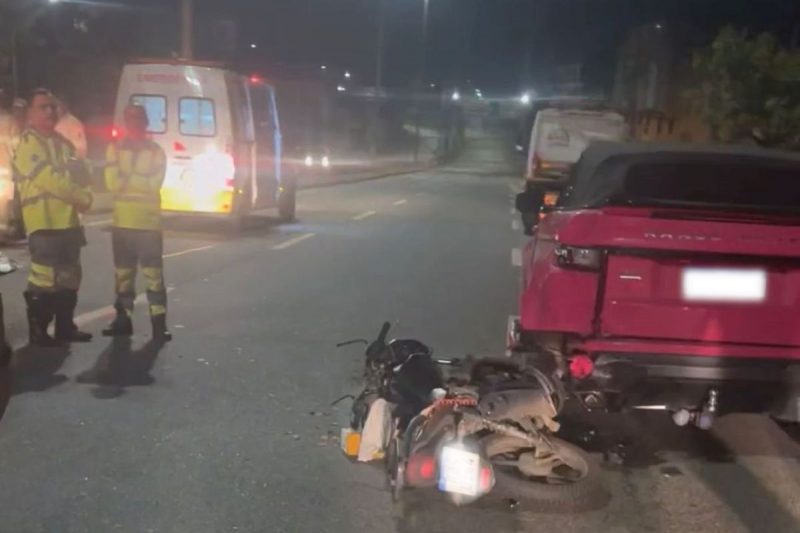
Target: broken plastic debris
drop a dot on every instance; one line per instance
(7, 265)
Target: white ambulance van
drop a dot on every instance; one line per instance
(221, 134)
(559, 137)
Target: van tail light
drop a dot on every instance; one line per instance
(178, 146)
(421, 470)
(537, 163)
(230, 182)
(579, 258)
(114, 133)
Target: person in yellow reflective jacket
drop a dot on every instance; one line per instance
(52, 193)
(135, 170)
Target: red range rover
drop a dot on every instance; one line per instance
(667, 277)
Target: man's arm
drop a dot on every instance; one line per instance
(151, 183)
(32, 163)
(114, 180)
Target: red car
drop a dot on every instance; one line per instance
(667, 277)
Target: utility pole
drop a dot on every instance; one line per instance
(421, 80)
(187, 27)
(380, 44)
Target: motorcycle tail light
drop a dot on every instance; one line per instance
(486, 479)
(578, 258)
(421, 470)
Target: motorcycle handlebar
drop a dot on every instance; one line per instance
(383, 333)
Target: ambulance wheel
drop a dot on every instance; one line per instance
(287, 204)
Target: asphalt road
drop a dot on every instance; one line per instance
(229, 427)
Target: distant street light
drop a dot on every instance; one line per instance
(347, 74)
(525, 99)
(323, 67)
(341, 88)
(456, 96)
(253, 45)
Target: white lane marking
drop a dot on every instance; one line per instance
(362, 216)
(189, 251)
(107, 311)
(400, 202)
(98, 223)
(292, 242)
(515, 225)
(516, 257)
(513, 211)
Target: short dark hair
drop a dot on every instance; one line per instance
(40, 91)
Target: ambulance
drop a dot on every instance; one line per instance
(220, 131)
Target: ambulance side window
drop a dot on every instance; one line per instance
(197, 117)
(156, 107)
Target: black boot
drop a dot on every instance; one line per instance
(66, 330)
(122, 326)
(40, 314)
(160, 332)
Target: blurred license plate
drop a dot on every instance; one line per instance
(459, 471)
(724, 285)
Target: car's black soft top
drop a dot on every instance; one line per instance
(602, 170)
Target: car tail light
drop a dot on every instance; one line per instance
(421, 470)
(178, 146)
(579, 258)
(114, 133)
(581, 366)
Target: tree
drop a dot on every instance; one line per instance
(750, 87)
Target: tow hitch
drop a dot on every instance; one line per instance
(703, 418)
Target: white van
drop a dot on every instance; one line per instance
(559, 136)
(221, 134)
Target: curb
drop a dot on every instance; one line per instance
(369, 177)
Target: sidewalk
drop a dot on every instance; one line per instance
(346, 174)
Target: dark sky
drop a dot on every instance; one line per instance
(486, 41)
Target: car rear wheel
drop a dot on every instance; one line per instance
(287, 203)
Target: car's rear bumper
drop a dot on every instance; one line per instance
(691, 349)
(675, 376)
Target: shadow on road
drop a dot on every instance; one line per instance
(35, 369)
(119, 366)
(737, 460)
(218, 228)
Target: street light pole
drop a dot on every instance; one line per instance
(187, 22)
(380, 44)
(421, 76)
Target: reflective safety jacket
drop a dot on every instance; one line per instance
(134, 174)
(50, 196)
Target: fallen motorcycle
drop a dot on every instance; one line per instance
(489, 429)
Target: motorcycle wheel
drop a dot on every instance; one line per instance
(566, 480)
(395, 469)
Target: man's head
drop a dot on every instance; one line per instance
(136, 122)
(42, 115)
